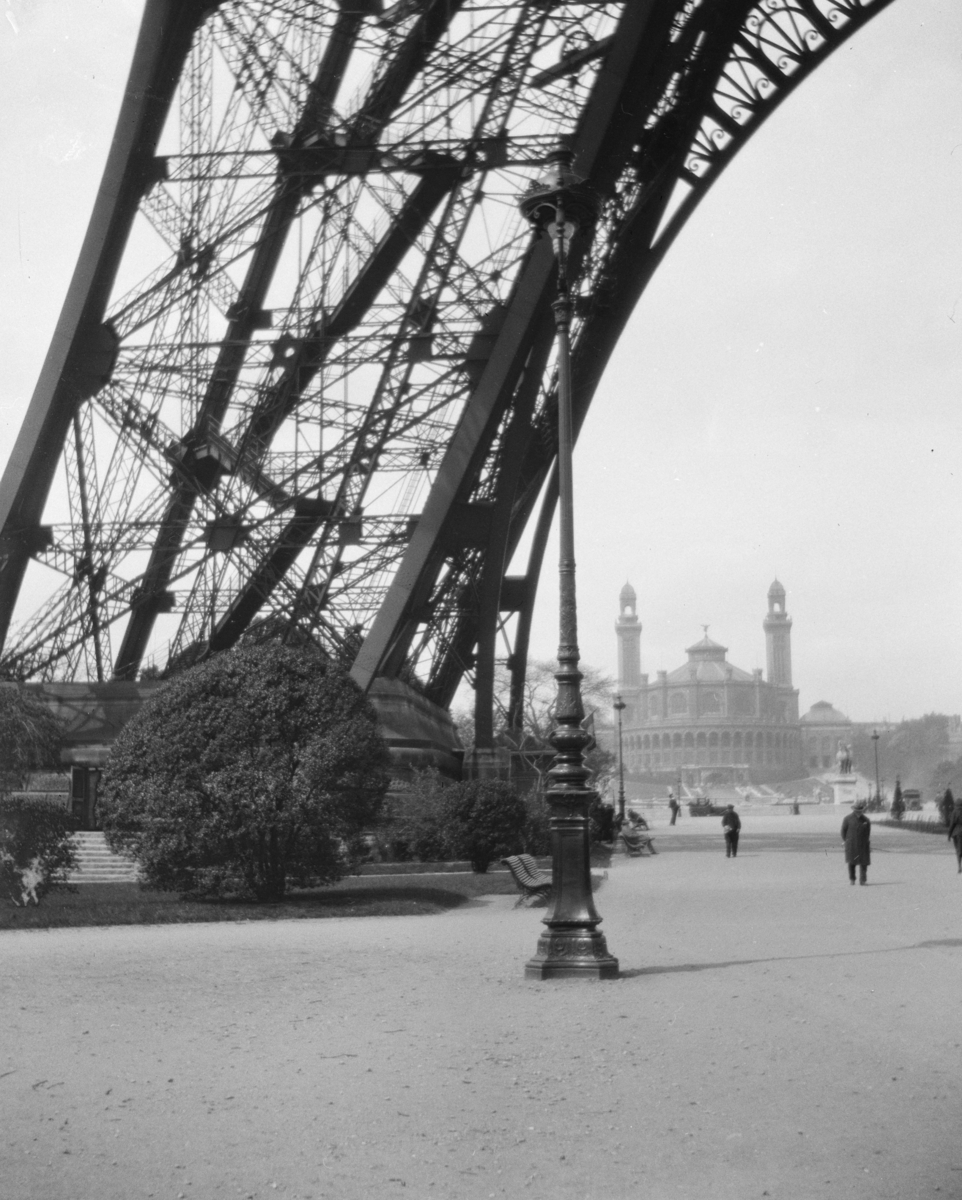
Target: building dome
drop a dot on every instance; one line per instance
(627, 597)
(823, 729)
(706, 649)
(707, 663)
(824, 713)
(776, 591)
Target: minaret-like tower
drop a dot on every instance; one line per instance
(628, 629)
(778, 638)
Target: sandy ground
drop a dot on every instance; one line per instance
(776, 1033)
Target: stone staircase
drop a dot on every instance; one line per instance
(98, 864)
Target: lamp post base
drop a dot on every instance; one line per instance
(574, 954)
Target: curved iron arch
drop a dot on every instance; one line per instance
(202, 513)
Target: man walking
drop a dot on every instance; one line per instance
(731, 825)
(856, 833)
(673, 806)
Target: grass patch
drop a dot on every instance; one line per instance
(356, 896)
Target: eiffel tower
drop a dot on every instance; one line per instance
(304, 380)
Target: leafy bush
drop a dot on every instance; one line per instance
(601, 821)
(419, 819)
(486, 819)
(536, 837)
(36, 850)
(31, 737)
(245, 774)
(479, 820)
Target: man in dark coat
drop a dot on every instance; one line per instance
(731, 825)
(673, 806)
(955, 832)
(856, 833)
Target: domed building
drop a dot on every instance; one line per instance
(823, 727)
(708, 720)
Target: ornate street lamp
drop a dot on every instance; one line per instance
(562, 205)
(878, 794)
(619, 706)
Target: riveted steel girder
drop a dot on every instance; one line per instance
(689, 94)
(78, 360)
(304, 372)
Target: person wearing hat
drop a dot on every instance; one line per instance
(731, 826)
(856, 834)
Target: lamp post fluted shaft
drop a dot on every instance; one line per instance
(619, 709)
(571, 945)
(878, 792)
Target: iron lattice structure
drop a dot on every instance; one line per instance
(304, 373)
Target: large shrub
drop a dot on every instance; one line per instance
(536, 838)
(36, 849)
(246, 774)
(486, 819)
(479, 820)
(418, 819)
(31, 737)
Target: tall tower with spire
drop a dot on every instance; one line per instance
(628, 629)
(778, 638)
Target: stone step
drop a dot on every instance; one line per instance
(97, 863)
(78, 877)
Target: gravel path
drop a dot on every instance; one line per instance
(776, 1033)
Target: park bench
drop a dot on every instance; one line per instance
(530, 880)
(637, 841)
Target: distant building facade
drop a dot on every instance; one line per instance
(823, 727)
(708, 720)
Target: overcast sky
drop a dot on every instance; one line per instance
(785, 401)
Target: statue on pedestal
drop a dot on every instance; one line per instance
(843, 759)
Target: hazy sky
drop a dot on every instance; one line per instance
(785, 401)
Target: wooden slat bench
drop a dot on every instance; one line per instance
(531, 881)
(637, 841)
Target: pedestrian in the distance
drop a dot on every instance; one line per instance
(955, 832)
(673, 806)
(731, 825)
(857, 833)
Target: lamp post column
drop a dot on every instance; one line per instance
(878, 793)
(572, 945)
(619, 709)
